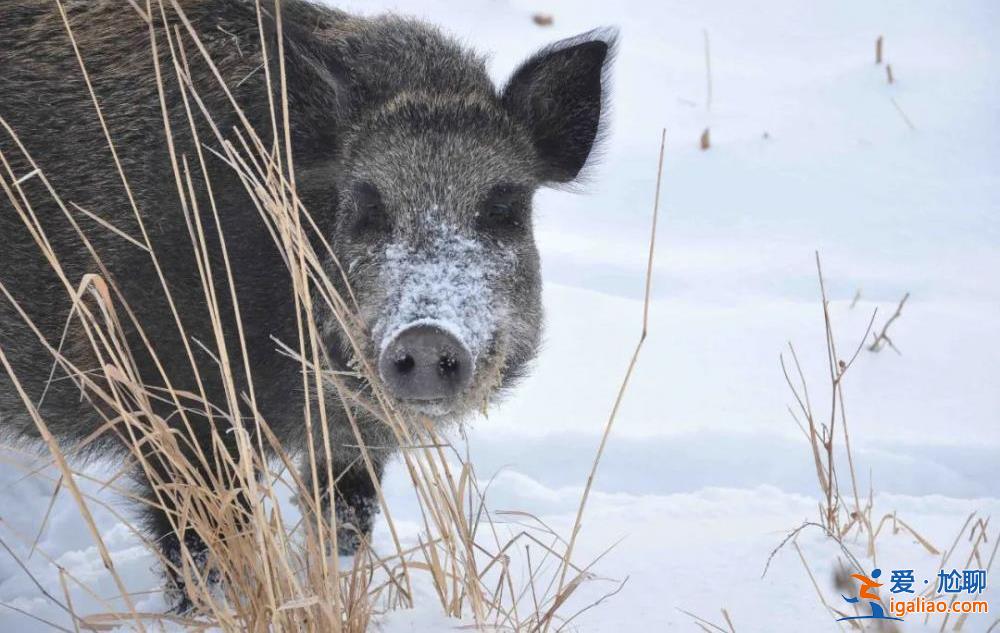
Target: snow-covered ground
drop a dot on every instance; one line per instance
(706, 472)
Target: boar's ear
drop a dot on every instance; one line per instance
(559, 94)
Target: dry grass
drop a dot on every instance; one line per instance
(837, 516)
(975, 532)
(711, 627)
(882, 339)
(543, 19)
(848, 518)
(274, 571)
(705, 142)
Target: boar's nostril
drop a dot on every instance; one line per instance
(405, 364)
(448, 365)
(425, 362)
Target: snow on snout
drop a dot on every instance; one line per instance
(445, 282)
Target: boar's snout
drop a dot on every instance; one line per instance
(424, 362)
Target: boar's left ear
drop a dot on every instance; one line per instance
(559, 94)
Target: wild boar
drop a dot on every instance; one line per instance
(418, 171)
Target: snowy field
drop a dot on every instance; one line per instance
(812, 150)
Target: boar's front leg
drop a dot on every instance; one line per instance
(355, 498)
(156, 517)
(170, 526)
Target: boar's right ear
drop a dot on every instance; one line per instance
(560, 95)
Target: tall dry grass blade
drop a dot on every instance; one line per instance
(628, 372)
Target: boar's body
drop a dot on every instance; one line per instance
(388, 118)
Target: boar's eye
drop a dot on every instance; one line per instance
(369, 212)
(504, 209)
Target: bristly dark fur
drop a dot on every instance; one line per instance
(401, 142)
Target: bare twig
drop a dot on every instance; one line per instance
(857, 296)
(883, 338)
(909, 123)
